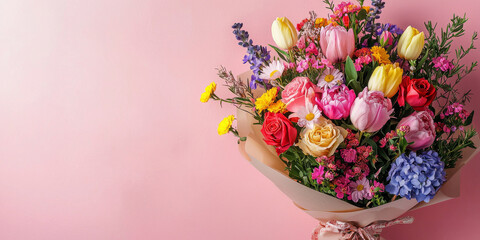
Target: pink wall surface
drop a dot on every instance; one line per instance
(102, 135)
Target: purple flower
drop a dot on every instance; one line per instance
(257, 55)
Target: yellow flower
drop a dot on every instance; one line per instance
(410, 44)
(323, 139)
(380, 55)
(321, 22)
(225, 125)
(209, 90)
(367, 8)
(332, 22)
(267, 99)
(386, 78)
(284, 33)
(278, 107)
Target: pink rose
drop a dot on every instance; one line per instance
(422, 130)
(337, 43)
(336, 102)
(370, 111)
(297, 92)
(278, 131)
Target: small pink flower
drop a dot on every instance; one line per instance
(312, 49)
(360, 190)
(317, 174)
(329, 175)
(349, 155)
(393, 148)
(301, 42)
(383, 142)
(302, 66)
(441, 63)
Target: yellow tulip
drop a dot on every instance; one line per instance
(284, 33)
(386, 79)
(410, 44)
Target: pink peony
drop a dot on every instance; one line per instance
(422, 130)
(337, 43)
(336, 102)
(296, 92)
(370, 111)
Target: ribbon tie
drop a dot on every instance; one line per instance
(350, 231)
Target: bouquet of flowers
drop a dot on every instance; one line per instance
(356, 121)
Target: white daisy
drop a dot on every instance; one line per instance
(307, 116)
(273, 71)
(330, 78)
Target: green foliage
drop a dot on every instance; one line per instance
(300, 166)
(450, 149)
(352, 76)
(440, 45)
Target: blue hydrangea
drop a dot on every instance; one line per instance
(416, 176)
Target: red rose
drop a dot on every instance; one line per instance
(278, 131)
(419, 93)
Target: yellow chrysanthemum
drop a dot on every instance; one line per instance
(332, 22)
(278, 107)
(211, 87)
(205, 97)
(367, 8)
(380, 55)
(225, 125)
(209, 90)
(321, 22)
(267, 99)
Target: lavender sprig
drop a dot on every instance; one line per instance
(257, 55)
(377, 6)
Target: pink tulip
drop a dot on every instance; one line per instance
(386, 38)
(337, 43)
(422, 130)
(370, 111)
(336, 102)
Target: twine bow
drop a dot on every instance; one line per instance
(350, 231)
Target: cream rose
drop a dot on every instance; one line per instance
(323, 139)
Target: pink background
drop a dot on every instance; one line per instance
(102, 135)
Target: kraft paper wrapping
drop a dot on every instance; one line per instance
(325, 207)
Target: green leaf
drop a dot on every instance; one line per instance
(469, 119)
(351, 75)
(362, 14)
(420, 64)
(280, 52)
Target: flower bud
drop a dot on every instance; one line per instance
(386, 78)
(410, 44)
(386, 38)
(284, 33)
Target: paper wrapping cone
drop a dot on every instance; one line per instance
(323, 206)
